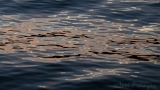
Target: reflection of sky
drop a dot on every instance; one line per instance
(15, 25)
(99, 73)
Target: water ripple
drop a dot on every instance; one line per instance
(75, 45)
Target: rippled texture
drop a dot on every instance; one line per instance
(79, 45)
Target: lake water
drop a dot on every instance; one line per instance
(79, 44)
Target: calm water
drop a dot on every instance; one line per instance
(79, 44)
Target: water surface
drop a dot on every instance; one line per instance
(75, 45)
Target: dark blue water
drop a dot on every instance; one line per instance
(79, 44)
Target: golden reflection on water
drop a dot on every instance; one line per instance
(38, 38)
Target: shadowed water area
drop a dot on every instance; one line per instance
(79, 45)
